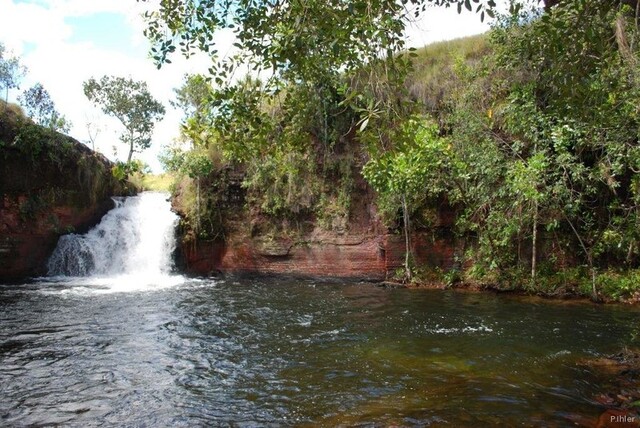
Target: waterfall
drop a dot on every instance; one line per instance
(136, 238)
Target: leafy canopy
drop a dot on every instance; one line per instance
(131, 103)
(11, 71)
(40, 107)
(294, 38)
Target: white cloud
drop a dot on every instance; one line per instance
(39, 34)
(29, 23)
(442, 23)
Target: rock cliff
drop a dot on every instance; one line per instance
(49, 184)
(360, 248)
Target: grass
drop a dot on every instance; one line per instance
(152, 182)
(159, 182)
(11, 116)
(434, 68)
(441, 53)
(11, 111)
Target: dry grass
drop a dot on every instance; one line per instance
(434, 73)
(159, 183)
(11, 115)
(11, 112)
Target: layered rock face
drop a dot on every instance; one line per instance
(361, 248)
(366, 257)
(354, 256)
(50, 184)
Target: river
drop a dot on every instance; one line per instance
(118, 347)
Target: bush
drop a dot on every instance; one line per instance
(618, 284)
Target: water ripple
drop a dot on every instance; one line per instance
(273, 353)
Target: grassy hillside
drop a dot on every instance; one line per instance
(11, 115)
(157, 182)
(434, 69)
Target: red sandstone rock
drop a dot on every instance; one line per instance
(49, 184)
(26, 244)
(365, 256)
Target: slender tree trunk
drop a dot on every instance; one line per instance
(519, 238)
(130, 147)
(407, 239)
(534, 243)
(197, 205)
(594, 290)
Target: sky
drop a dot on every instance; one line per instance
(65, 42)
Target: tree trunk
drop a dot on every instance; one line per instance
(592, 268)
(534, 243)
(407, 239)
(594, 290)
(130, 147)
(197, 205)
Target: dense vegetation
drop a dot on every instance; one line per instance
(529, 132)
(35, 128)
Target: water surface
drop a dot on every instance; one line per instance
(291, 352)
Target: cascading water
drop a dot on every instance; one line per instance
(134, 240)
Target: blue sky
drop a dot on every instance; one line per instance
(65, 42)
(106, 31)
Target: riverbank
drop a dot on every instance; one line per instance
(489, 172)
(577, 288)
(379, 257)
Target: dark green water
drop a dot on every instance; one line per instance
(272, 353)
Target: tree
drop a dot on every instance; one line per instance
(93, 130)
(11, 71)
(276, 33)
(411, 172)
(313, 41)
(40, 107)
(556, 149)
(193, 98)
(131, 103)
(333, 67)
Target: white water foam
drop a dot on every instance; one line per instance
(454, 330)
(130, 250)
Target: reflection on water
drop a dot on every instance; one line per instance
(254, 353)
